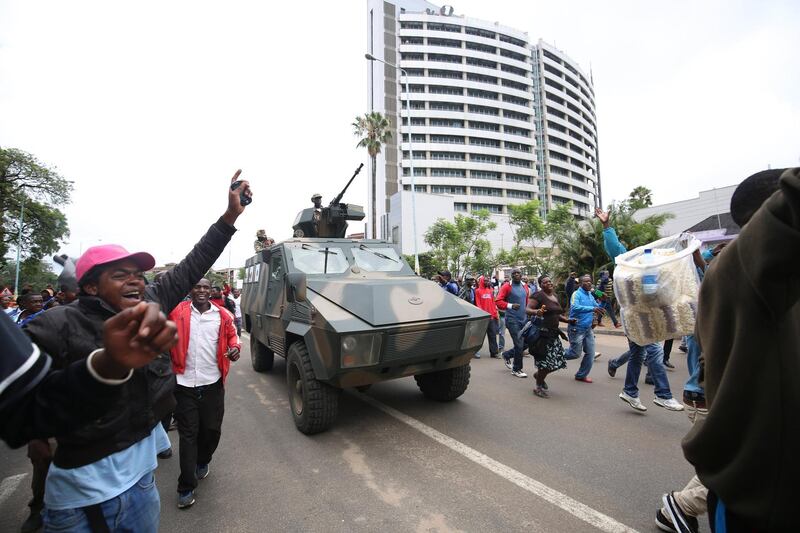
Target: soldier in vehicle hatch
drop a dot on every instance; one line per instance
(262, 241)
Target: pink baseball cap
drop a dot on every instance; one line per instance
(109, 253)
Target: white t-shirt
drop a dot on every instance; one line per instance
(202, 367)
(238, 302)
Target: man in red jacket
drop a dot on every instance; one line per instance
(201, 359)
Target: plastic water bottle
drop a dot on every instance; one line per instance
(650, 275)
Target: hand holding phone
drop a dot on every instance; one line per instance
(243, 199)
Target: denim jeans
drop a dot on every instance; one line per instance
(609, 307)
(693, 362)
(516, 352)
(619, 361)
(581, 338)
(652, 355)
(136, 510)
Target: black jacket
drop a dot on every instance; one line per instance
(748, 326)
(38, 404)
(71, 332)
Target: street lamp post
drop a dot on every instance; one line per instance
(410, 158)
(19, 243)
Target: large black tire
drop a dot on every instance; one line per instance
(314, 404)
(444, 385)
(261, 357)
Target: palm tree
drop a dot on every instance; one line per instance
(373, 129)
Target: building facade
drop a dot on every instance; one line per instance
(480, 112)
(712, 206)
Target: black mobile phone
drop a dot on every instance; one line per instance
(244, 200)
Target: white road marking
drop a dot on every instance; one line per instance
(575, 508)
(9, 485)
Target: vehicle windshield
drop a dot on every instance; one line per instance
(319, 260)
(377, 259)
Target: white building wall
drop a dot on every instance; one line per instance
(687, 213)
(430, 208)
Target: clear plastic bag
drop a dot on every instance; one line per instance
(657, 291)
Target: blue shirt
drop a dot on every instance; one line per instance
(451, 287)
(582, 306)
(517, 295)
(107, 478)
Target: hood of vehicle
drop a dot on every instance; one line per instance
(391, 301)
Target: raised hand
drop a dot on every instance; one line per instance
(235, 207)
(602, 215)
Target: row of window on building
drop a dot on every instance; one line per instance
(457, 28)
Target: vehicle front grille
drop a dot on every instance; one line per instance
(423, 342)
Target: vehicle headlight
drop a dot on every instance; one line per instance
(360, 350)
(474, 332)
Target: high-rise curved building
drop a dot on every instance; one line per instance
(495, 119)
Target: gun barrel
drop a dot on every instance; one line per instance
(341, 194)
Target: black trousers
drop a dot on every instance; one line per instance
(491, 334)
(199, 415)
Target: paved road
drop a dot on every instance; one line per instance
(498, 459)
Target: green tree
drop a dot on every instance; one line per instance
(35, 272)
(24, 180)
(455, 244)
(374, 130)
(216, 279)
(529, 231)
(427, 267)
(579, 244)
(639, 198)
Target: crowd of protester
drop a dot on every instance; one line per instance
(746, 340)
(102, 361)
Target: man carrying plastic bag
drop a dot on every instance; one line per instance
(652, 355)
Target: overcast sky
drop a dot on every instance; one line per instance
(150, 106)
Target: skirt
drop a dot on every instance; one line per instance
(548, 352)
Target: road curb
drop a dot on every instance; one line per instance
(613, 332)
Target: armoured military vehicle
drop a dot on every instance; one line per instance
(350, 313)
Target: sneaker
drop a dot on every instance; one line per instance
(34, 520)
(695, 401)
(185, 499)
(681, 522)
(670, 405)
(636, 403)
(683, 348)
(508, 364)
(584, 380)
(519, 374)
(597, 355)
(611, 370)
(477, 356)
(669, 365)
(663, 523)
(201, 472)
(540, 392)
(166, 454)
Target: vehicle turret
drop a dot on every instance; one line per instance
(330, 221)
